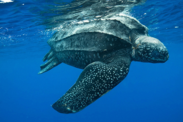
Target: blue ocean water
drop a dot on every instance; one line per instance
(150, 92)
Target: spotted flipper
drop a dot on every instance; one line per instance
(97, 79)
(52, 61)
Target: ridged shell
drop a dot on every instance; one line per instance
(119, 25)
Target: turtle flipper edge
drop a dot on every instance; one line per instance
(52, 61)
(97, 79)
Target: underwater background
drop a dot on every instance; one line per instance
(150, 92)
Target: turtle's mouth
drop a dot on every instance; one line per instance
(160, 55)
(157, 55)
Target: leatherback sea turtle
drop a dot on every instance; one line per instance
(104, 48)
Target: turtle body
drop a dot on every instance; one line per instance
(104, 48)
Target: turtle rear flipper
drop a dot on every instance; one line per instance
(52, 61)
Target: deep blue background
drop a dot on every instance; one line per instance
(150, 93)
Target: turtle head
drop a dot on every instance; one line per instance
(149, 49)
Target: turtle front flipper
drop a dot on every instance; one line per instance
(97, 79)
(52, 61)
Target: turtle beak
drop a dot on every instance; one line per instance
(160, 55)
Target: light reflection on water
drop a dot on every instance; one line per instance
(6, 1)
